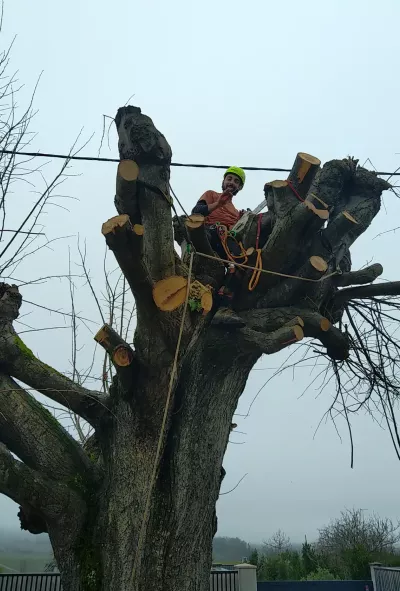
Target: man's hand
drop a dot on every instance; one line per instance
(223, 200)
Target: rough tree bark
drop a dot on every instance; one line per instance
(92, 500)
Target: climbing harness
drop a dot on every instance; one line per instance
(224, 234)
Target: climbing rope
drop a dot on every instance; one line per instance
(164, 420)
(257, 273)
(208, 256)
(224, 234)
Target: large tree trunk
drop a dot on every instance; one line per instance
(180, 523)
(134, 508)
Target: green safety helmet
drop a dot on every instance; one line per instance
(238, 172)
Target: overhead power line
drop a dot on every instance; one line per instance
(177, 164)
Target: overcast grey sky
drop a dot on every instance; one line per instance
(237, 83)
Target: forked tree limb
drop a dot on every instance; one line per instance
(314, 326)
(55, 453)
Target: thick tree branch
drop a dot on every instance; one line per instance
(291, 290)
(17, 360)
(360, 277)
(29, 488)
(125, 202)
(139, 140)
(391, 288)
(127, 245)
(315, 326)
(357, 201)
(121, 354)
(35, 436)
(303, 172)
(272, 342)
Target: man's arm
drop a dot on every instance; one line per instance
(203, 207)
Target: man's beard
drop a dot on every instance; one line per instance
(232, 190)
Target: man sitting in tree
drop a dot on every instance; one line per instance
(219, 211)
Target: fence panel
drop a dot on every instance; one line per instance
(385, 578)
(223, 580)
(315, 586)
(30, 582)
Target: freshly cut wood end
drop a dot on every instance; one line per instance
(325, 324)
(323, 214)
(118, 221)
(318, 263)
(138, 229)
(314, 196)
(278, 184)
(195, 221)
(128, 170)
(101, 336)
(206, 302)
(122, 356)
(298, 332)
(308, 158)
(294, 321)
(349, 217)
(170, 293)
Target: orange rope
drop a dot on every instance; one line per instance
(223, 236)
(257, 271)
(324, 278)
